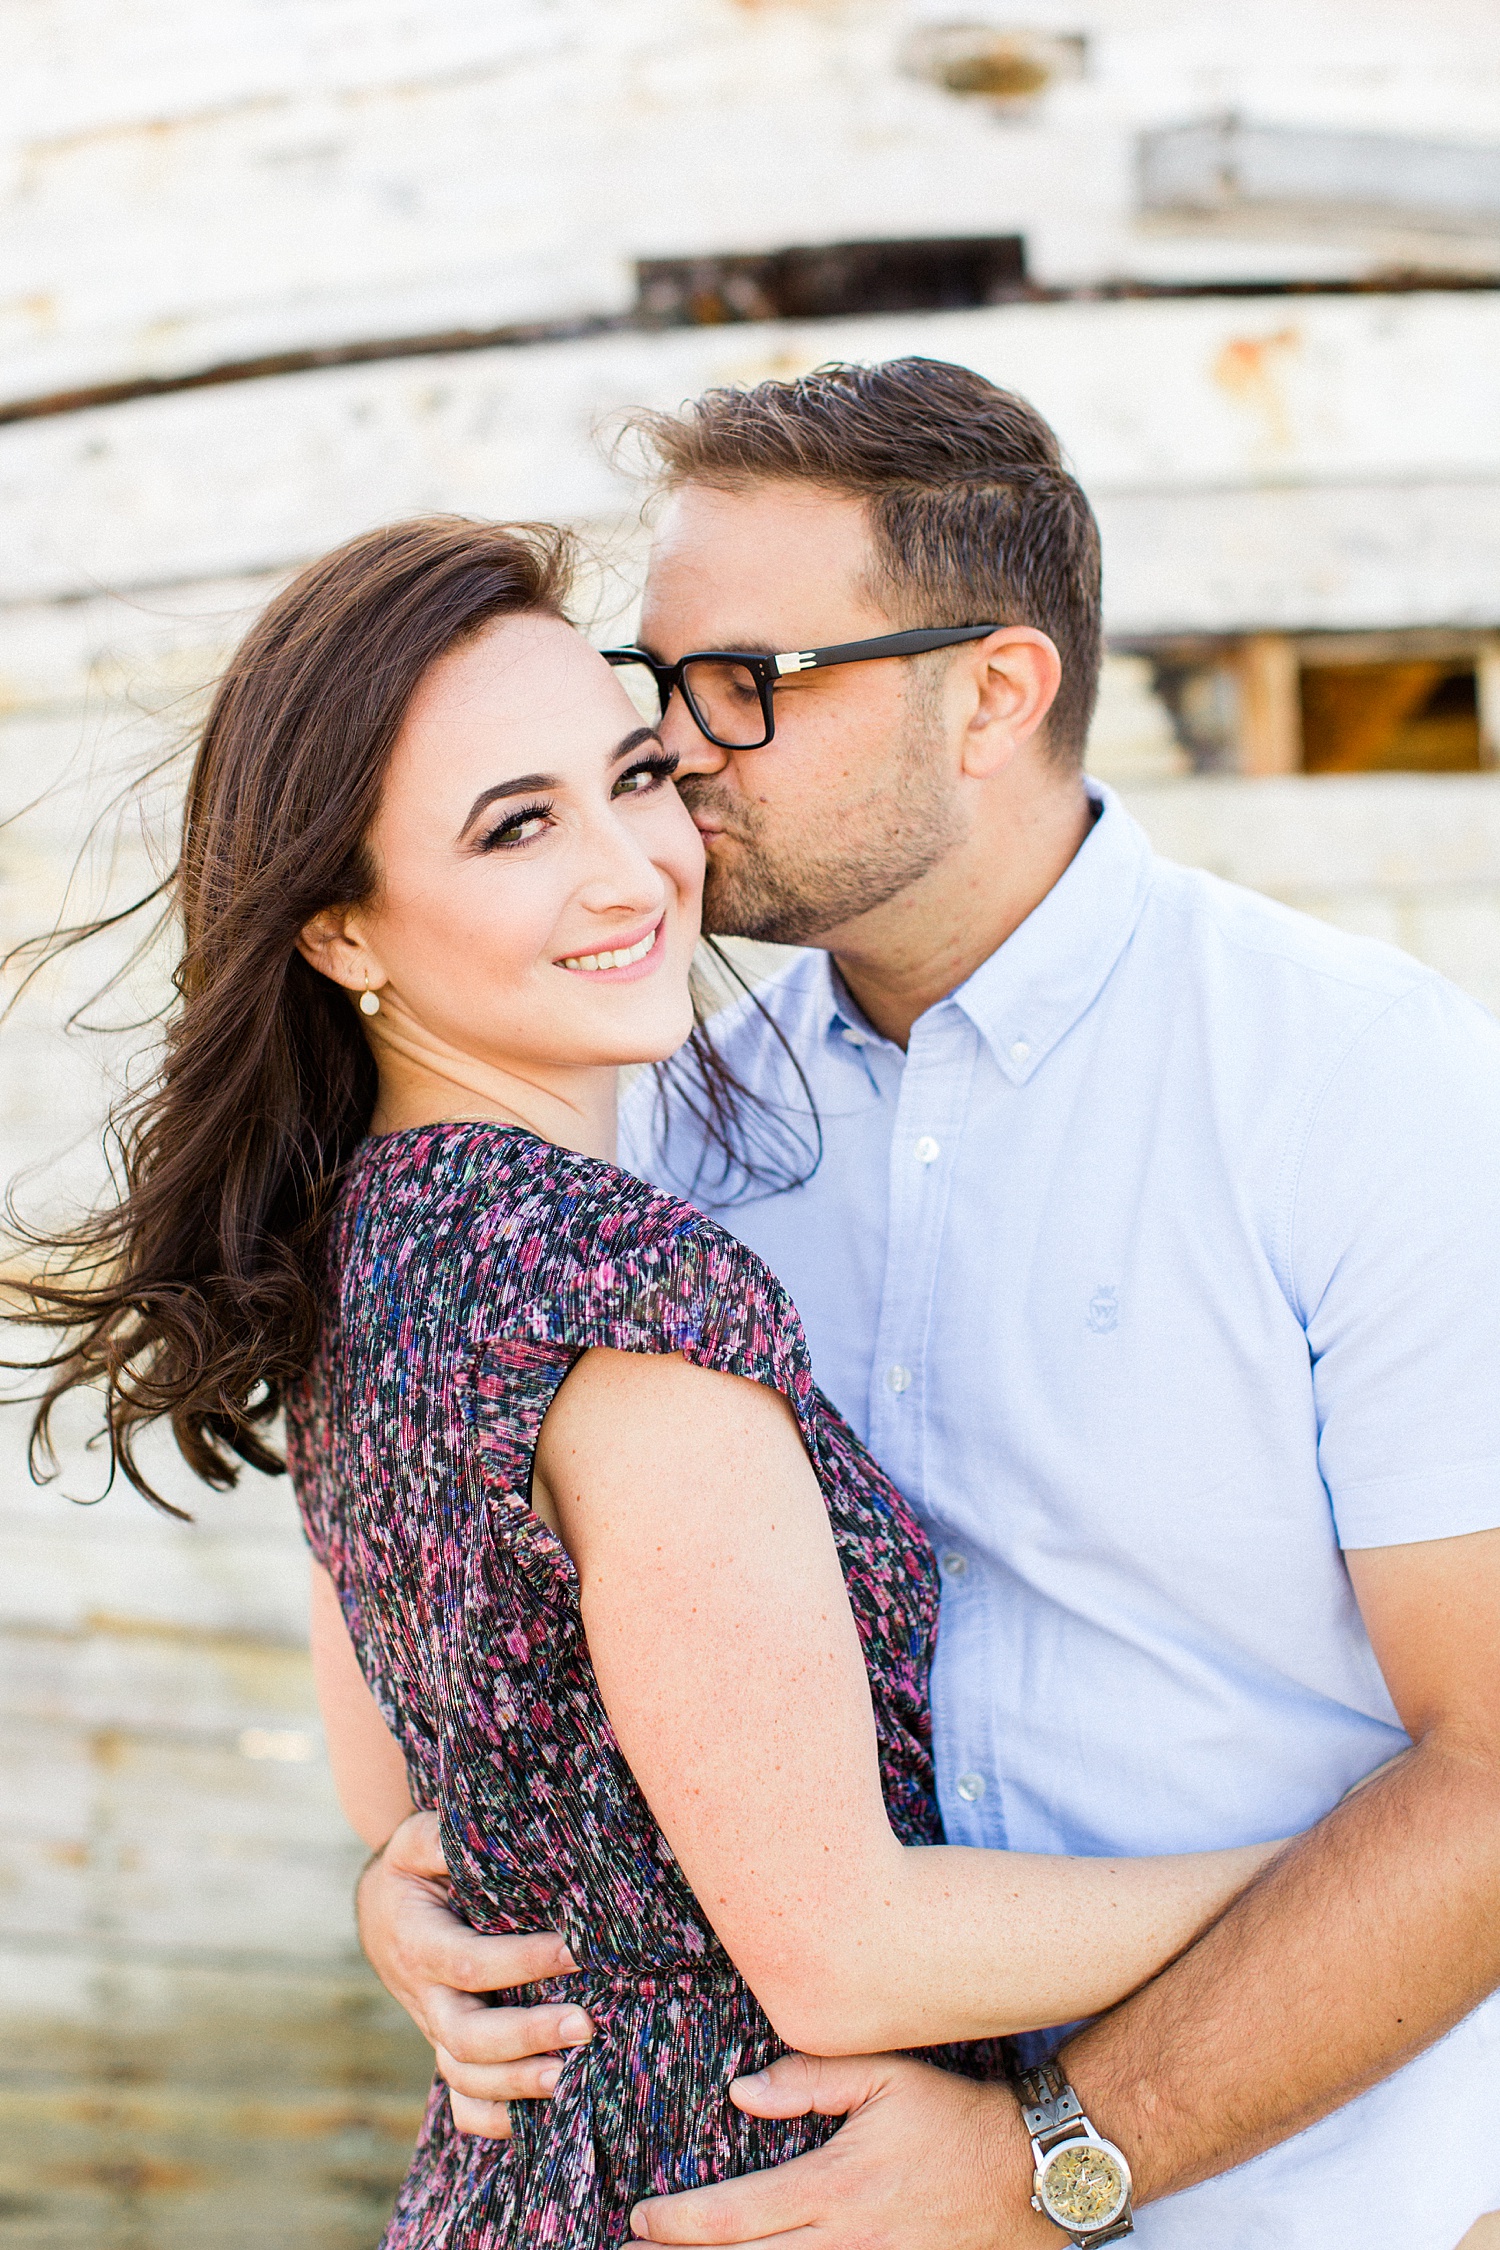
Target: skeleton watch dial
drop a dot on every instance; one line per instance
(1083, 2184)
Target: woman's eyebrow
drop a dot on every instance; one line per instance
(527, 784)
(632, 741)
(524, 785)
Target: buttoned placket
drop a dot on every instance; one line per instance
(930, 1114)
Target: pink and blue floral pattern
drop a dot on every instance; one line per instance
(470, 1266)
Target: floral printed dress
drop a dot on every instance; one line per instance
(470, 1266)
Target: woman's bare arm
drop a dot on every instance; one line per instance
(369, 1770)
(728, 1661)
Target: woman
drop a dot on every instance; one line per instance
(601, 1577)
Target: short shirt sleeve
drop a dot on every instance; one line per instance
(601, 1261)
(1394, 1256)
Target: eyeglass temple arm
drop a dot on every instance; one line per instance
(915, 643)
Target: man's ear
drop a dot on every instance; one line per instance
(1016, 675)
(333, 944)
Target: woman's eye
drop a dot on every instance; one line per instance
(649, 774)
(521, 828)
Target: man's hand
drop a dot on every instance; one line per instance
(435, 1965)
(927, 2161)
(1365, 1941)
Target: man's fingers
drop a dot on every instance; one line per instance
(515, 2060)
(527, 2081)
(795, 2085)
(435, 1948)
(475, 2034)
(799, 2238)
(796, 2238)
(486, 2121)
(770, 2207)
(758, 2207)
(416, 1848)
(786, 2089)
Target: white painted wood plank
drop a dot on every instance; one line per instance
(1153, 401)
(510, 173)
(65, 1578)
(239, 1568)
(1332, 831)
(197, 2109)
(180, 185)
(171, 1848)
(102, 659)
(1303, 558)
(184, 1683)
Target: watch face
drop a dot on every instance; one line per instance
(1083, 2184)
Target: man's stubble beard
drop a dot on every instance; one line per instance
(795, 891)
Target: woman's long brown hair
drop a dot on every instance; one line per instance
(193, 1296)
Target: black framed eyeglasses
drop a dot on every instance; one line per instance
(730, 691)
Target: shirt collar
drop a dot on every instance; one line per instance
(1032, 990)
(843, 1017)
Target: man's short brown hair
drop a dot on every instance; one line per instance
(973, 513)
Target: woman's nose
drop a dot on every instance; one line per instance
(621, 871)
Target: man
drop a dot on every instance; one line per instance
(1153, 1249)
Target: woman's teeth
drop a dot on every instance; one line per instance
(620, 960)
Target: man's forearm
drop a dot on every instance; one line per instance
(1366, 1941)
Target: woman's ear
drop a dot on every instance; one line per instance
(1018, 674)
(331, 943)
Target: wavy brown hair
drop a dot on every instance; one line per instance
(193, 1296)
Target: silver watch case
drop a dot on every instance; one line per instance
(1091, 2230)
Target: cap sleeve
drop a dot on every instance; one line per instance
(600, 1261)
(597, 1259)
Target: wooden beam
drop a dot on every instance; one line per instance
(1487, 686)
(1270, 705)
(1392, 647)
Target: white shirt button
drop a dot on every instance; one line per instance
(970, 1787)
(1019, 1051)
(927, 1150)
(898, 1378)
(855, 1038)
(954, 1563)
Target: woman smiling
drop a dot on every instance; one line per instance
(601, 1578)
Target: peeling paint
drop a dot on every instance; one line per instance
(1249, 369)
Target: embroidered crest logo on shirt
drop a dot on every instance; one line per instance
(1104, 1310)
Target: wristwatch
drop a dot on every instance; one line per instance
(1082, 2181)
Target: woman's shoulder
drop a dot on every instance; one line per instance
(543, 1244)
(478, 1192)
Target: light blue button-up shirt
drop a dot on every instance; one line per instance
(1163, 1265)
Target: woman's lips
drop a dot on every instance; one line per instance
(619, 964)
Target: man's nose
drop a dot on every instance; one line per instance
(681, 733)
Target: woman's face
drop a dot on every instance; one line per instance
(539, 879)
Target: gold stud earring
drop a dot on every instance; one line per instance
(369, 1002)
